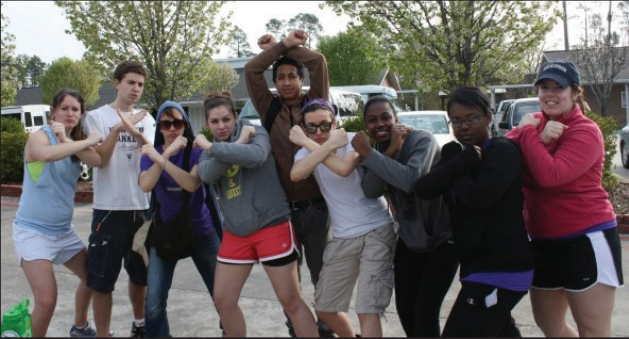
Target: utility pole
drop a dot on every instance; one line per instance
(565, 27)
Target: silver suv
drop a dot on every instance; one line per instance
(515, 112)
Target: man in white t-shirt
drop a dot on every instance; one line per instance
(119, 203)
(363, 243)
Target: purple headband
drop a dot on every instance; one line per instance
(321, 102)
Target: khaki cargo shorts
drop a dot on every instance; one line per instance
(368, 259)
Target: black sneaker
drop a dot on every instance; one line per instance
(324, 330)
(138, 331)
(291, 330)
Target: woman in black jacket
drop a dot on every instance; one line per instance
(482, 185)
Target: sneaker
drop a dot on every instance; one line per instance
(324, 330)
(137, 331)
(87, 331)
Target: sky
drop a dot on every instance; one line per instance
(39, 26)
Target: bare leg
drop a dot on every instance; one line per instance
(370, 325)
(137, 295)
(592, 310)
(549, 311)
(228, 283)
(41, 278)
(102, 312)
(83, 295)
(338, 322)
(286, 286)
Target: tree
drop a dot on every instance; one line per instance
(174, 40)
(35, 69)
(66, 73)
(9, 74)
(306, 22)
(238, 43)
(448, 44)
(222, 78)
(354, 58)
(29, 69)
(600, 58)
(277, 27)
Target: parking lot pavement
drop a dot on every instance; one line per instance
(190, 311)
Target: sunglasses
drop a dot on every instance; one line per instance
(166, 124)
(325, 126)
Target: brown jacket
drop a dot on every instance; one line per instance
(283, 149)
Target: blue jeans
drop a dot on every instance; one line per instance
(160, 278)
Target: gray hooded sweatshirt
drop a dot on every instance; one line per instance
(424, 224)
(251, 196)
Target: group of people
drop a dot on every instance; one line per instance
(375, 211)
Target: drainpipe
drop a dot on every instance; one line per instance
(627, 102)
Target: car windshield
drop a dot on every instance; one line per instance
(436, 123)
(249, 112)
(524, 107)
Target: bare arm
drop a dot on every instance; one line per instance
(38, 147)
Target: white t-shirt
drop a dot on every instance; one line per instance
(351, 213)
(116, 185)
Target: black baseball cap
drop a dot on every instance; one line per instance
(562, 71)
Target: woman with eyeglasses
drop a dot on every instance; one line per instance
(425, 262)
(162, 172)
(482, 186)
(257, 218)
(363, 241)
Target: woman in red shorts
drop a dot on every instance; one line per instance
(257, 224)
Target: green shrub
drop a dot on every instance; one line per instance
(11, 125)
(12, 156)
(208, 134)
(354, 124)
(608, 127)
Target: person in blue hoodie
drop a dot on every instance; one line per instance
(162, 172)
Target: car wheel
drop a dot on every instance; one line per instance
(85, 172)
(624, 154)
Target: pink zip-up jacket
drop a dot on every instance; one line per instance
(562, 180)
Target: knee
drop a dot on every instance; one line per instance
(225, 303)
(291, 302)
(47, 303)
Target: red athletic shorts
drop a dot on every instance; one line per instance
(268, 243)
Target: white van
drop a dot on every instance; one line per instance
(33, 117)
(349, 104)
(368, 91)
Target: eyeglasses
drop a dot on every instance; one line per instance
(166, 124)
(471, 120)
(325, 126)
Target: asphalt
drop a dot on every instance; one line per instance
(190, 311)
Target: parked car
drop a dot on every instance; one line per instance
(624, 146)
(435, 122)
(503, 106)
(515, 112)
(348, 103)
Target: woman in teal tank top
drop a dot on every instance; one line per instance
(42, 232)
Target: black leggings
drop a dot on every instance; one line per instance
(422, 281)
(470, 317)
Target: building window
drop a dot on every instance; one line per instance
(623, 99)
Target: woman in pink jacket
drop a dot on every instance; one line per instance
(569, 217)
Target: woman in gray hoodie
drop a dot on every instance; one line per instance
(425, 262)
(256, 223)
